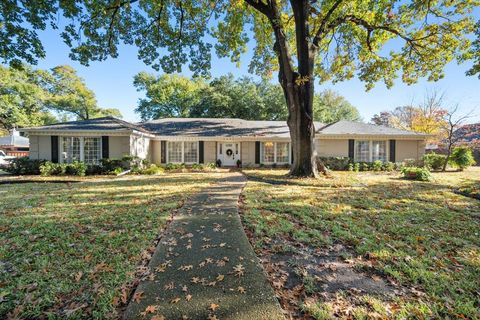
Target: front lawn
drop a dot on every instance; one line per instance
(76, 248)
(367, 245)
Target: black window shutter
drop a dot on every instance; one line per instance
(392, 150)
(163, 151)
(291, 152)
(54, 148)
(351, 148)
(105, 147)
(200, 151)
(257, 152)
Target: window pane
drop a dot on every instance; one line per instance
(174, 151)
(191, 152)
(70, 149)
(379, 150)
(362, 151)
(282, 152)
(91, 150)
(268, 152)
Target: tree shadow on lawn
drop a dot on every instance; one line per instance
(377, 239)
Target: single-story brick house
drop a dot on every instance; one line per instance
(202, 140)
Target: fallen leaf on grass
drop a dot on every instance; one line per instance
(169, 286)
(184, 288)
(220, 277)
(212, 317)
(188, 297)
(239, 270)
(78, 276)
(175, 300)
(241, 289)
(137, 296)
(213, 306)
(149, 309)
(158, 317)
(186, 268)
(195, 280)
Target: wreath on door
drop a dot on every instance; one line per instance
(229, 152)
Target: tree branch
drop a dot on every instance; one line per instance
(261, 7)
(321, 30)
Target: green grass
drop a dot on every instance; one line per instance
(418, 234)
(67, 249)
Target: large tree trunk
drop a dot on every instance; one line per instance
(297, 86)
(300, 120)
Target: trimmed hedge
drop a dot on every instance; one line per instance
(24, 166)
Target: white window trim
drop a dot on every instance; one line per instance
(82, 147)
(370, 149)
(275, 153)
(183, 152)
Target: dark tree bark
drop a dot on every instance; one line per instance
(298, 86)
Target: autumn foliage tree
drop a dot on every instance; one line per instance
(303, 40)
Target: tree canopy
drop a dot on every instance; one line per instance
(304, 40)
(227, 97)
(30, 97)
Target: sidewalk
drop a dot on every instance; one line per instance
(204, 267)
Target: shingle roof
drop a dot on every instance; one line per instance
(344, 127)
(16, 141)
(98, 124)
(222, 127)
(211, 127)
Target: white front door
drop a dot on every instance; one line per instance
(229, 153)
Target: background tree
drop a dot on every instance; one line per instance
(302, 39)
(70, 95)
(30, 97)
(23, 98)
(329, 106)
(454, 120)
(426, 117)
(227, 97)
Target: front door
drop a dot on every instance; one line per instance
(229, 153)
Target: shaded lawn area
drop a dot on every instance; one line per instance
(421, 239)
(73, 249)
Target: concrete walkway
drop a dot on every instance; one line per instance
(204, 266)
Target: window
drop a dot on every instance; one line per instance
(268, 152)
(369, 151)
(175, 152)
(362, 151)
(190, 151)
(379, 150)
(70, 149)
(86, 149)
(275, 152)
(91, 150)
(282, 152)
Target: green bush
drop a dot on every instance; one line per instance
(388, 166)
(461, 158)
(364, 166)
(434, 161)
(23, 166)
(377, 165)
(174, 166)
(211, 166)
(416, 173)
(59, 169)
(335, 163)
(153, 169)
(76, 169)
(356, 167)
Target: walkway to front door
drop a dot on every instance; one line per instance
(204, 266)
(228, 153)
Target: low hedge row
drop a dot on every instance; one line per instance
(26, 166)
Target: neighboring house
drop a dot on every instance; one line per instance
(185, 140)
(14, 144)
